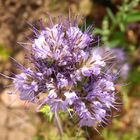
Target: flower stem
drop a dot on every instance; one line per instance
(58, 123)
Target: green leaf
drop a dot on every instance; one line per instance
(134, 76)
(97, 31)
(122, 26)
(133, 17)
(117, 39)
(47, 112)
(110, 14)
(114, 43)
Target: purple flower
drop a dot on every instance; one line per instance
(62, 81)
(70, 97)
(86, 118)
(27, 89)
(122, 65)
(68, 73)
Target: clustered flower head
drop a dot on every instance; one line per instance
(68, 73)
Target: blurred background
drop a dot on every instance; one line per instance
(116, 22)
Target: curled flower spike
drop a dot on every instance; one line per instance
(68, 73)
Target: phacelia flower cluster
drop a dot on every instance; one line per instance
(68, 73)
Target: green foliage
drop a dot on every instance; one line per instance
(38, 138)
(134, 76)
(53, 135)
(134, 79)
(113, 33)
(69, 134)
(114, 26)
(47, 113)
(134, 16)
(111, 135)
(4, 54)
